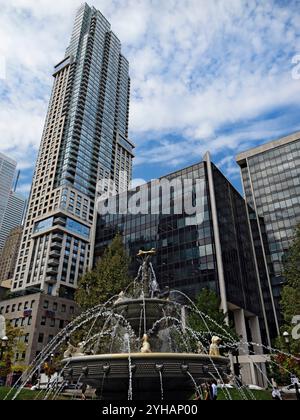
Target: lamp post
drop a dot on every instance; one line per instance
(4, 342)
(286, 337)
(294, 380)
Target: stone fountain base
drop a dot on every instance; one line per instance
(110, 374)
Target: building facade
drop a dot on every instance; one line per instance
(85, 139)
(210, 248)
(14, 214)
(271, 182)
(9, 254)
(40, 318)
(7, 173)
(12, 205)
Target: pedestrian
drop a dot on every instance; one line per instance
(276, 394)
(83, 391)
(207, 392)
(214, 390)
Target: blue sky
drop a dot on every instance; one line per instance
(206, 75)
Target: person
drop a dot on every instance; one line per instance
(83, 391)
(276, 395)
(214, 390)
(207, 392)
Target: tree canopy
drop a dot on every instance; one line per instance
(214, 323)
(290, 306)
(290, 301)
(108, 278)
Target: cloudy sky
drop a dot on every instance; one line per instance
(218, 75)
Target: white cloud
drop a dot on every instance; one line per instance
(198, 67)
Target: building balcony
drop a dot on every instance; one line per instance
(57, 237)
(52, 271)
(56, 246)
(54, 254)
(51, 280)
(60, 221)
(53, 262)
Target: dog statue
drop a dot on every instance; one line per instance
(73, 351)
(214, 349)
(146, 345)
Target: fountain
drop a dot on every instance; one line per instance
(144, 349)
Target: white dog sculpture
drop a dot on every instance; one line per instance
(146, 345)
(73, 351)
(214, 347)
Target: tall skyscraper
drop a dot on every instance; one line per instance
(13, 215)
(9, 254)
(12, 205)
(85, 139)
(272, 188)
(7, 173)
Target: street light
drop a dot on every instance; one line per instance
(294, 381)
(286, 337)
(4, 342)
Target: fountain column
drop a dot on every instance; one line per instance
(241, 329)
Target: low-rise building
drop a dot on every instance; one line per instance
(41, 317)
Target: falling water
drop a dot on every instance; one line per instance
(161, 385)
(195, 385)
(130, 391)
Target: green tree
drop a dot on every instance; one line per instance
(290, 306)
(108, 278)
(213, 321)
(290, 301)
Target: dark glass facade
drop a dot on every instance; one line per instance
(186, 257)
(272, 189)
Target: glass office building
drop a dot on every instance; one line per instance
(12, 205)
(208, 249)
(85, 139)
(272, 189)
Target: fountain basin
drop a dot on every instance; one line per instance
(143, 313)
(110, 374)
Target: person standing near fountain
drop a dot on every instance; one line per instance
(214, 390)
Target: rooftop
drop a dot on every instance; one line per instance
(266, 147)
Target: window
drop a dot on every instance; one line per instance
(43, 321)
(52, 323)
(41, 338)
(46, 304)
(43, 225)
(77, 227)
(61, 324)
(55, 306)
(63, 308)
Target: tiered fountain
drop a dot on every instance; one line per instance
(141, 347)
